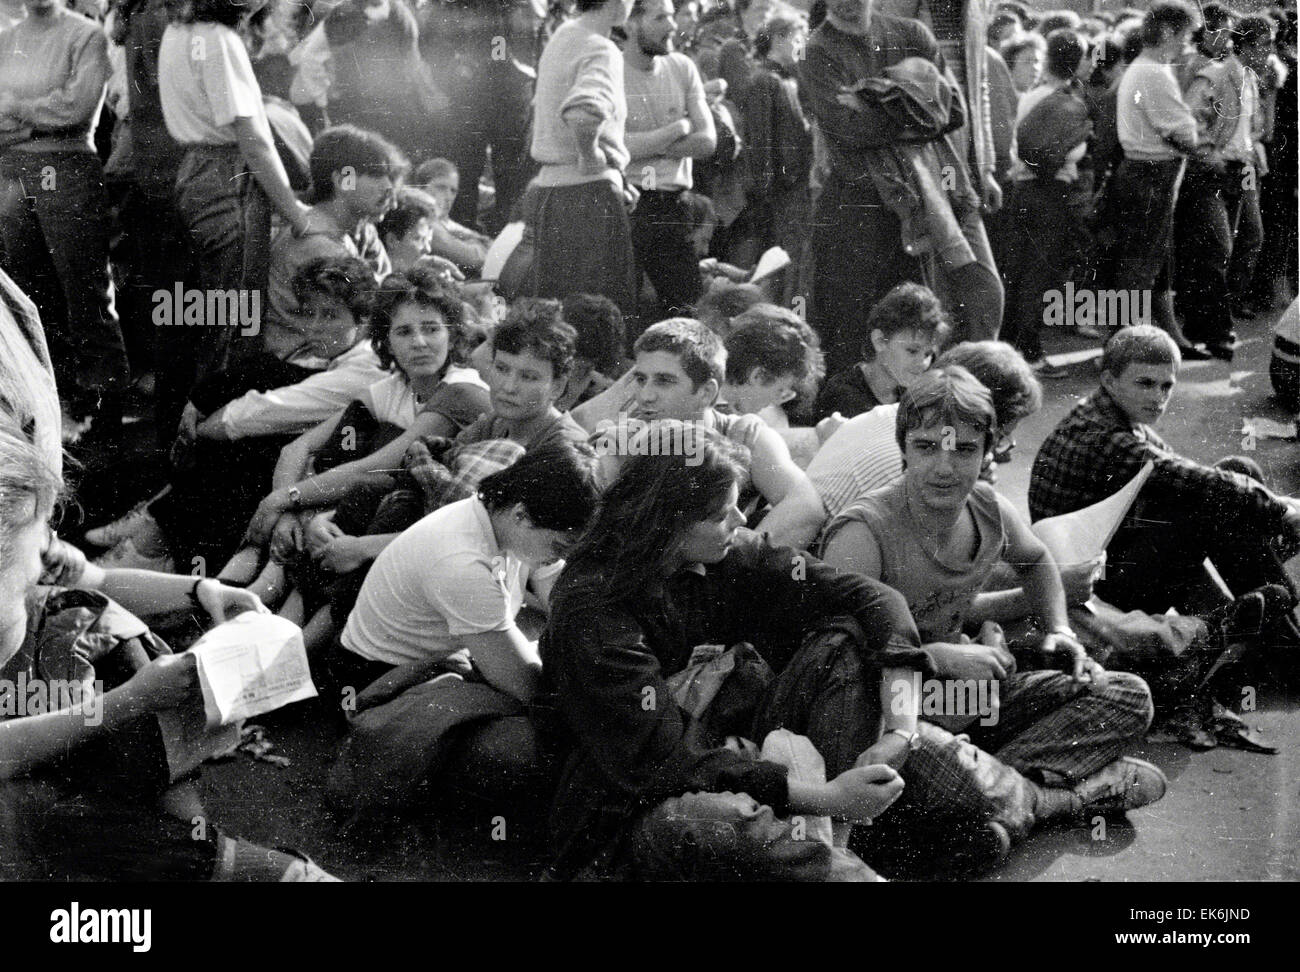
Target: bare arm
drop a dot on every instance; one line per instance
(797, 512)
(507, 661)
(264, 162)
(291, 467)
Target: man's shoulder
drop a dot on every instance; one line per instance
(680, 65)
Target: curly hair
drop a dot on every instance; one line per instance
(423, 287)
(536, 326)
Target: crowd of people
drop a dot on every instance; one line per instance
(614, 396)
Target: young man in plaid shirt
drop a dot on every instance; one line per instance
(1185, 513)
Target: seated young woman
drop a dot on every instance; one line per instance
(445, 596)
(93, 785)
(418, 332)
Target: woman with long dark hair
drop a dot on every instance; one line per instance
(663, 569)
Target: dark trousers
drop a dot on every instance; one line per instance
(1142, 197)
(1278, 258)
(1046, 247)
(581, 243)
(1203, 222)
(54, 219)
(661, 240)
(1247, 240)
(857, 257)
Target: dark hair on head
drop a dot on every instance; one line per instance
(781, 24)
(1141, 344)
(946, 395)
(555, 482)
(348, 149)
(599, 324)
(582, 6)
(1065, 52)
(907, 307)
(1112, 53)
(431, 169)
(1019, 10)
(1016, 390)
(1172, 15)
(1016, 46)
(699, 349)
(412, 206)
(1133, 41)
(423, 287)
(1057, 20)
(345, 279)
(724, 300)
(777, 341)
(1215, 16)
(632, 542)
(536, 326)
(227, 12)
(999, 21)
(1255, 29)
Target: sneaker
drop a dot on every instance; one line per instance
(1125, 784)
(139, 522)
(131, 553)
(1045, 369)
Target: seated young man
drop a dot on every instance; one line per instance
(652, 788)
(445, 596)
(902, 329)
(863, 455)
(774, 364)
(678, 374)
(936, 535)
(1185, 513)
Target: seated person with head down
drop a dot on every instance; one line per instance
(656, 785)
(445, 596)
(902, 329)
(936, 535)
(447, 238)
(1186, 511)
(678, 374)
(774, 364)
(598, 354)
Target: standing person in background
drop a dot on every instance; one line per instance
(575, 209)
(668, 124)
(231, 175)
(1278, 261)
(53, 207)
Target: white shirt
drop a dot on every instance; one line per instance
(296, 408)
(656, 98)
(443, 577)
(392, 400)
(859, 458)
(205, 82)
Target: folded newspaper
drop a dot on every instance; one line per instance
(253, 664)
(1084, 535)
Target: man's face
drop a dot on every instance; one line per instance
(708, 541)
(653, 30)
(331, 326)
(663, 390)
(367, 196)
(445, 189)
(903, 356)
(1142, 390)
(943, 463)
(1027, 69)
(523, 386)
(406, 250)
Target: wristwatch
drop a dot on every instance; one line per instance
(913, 738)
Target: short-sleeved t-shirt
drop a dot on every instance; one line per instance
(939, 590)
(860, 457)
(659, 97)
(442, 578)
(461, 397)
(206, 81)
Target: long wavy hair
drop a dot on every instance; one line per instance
(631, 545)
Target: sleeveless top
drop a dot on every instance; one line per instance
(938, 590)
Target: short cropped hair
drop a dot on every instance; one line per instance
(946, 396)
(556, 483)
(536, 326)
(907, 307)
(1065, 51)
(1017, 392)
(725, 300)
(412, 206)
(1175, 15)
(345, 279)
(599, 324)
(423, 287)
(773, 339)
(1141, 344)
(346, 147)
(699, 349)
(1054, 20)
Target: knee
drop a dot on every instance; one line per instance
(1242, 465)
(1129, 694)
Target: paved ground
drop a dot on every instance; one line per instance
(1229, 815)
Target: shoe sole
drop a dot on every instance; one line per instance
(1127, 801)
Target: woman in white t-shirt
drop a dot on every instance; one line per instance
(231, 176)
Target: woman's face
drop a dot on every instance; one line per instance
(331, 327)
(523, 385)
(903, 356)
(419, 340)
(709, 541)
(18, 572)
